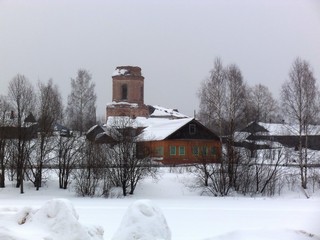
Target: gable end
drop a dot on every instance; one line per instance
(193, 130)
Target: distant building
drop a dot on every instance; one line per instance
(259, 135)
(9, 127)
(127, 93)
(171, 137)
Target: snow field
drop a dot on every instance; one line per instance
(172, 210)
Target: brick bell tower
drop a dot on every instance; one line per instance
(127, 93)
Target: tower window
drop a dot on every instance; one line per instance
(124, 92)
(141, 94)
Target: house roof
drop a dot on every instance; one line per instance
(277, 134)
(160, 130)
(254, 127)
(154, 129)
(161, 124)
(166, 112)
(30, 119)
(279, 129)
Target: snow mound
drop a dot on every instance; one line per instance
(266, 235)
(55, 220)
(143, 221)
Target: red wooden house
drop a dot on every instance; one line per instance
(180, 141)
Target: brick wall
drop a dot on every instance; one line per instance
(131, 78)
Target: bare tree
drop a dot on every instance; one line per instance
(21, 96)
(81, 110)
(234, 105)
(212, 97)
(91, 170)
(260, 173)
(262, 106)
(5, 115)
(49, 109)
(222, 98)
(69, 156)
(126, 164)
(222, 105)
(300, 100)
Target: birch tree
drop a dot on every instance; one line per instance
(234, 106)
(81, 110)
(300, 100)
(261, 104)
(212, 96)
(222, 105)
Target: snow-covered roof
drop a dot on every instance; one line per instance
(159, 130)
(166, 112)
(281, 129)
(155, 129)
(161, 123)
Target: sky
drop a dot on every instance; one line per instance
(174, 42)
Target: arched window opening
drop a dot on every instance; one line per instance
(141, 94)
(124, 92)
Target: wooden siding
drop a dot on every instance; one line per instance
(188, 157)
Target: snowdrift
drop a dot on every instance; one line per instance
(143, 221)
(55, 220)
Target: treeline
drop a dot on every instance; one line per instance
(228, 104)
(23, 106)
(33, 145)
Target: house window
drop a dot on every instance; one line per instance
(192, 129)
(173, 150)
(182, 150)
(159, 151)
(204, 151)
(213, 151)
(124, 92)
(195, 150)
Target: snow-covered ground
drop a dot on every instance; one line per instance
(171, 207)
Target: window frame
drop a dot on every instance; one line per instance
(159, 151)
(213, 151)
(171, 148)
(195, 153)
(204, 151)
(182, 153)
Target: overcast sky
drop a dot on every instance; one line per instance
(174, 42)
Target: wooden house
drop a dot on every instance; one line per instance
(181, 141)
(166, 141)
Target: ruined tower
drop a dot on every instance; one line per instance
(127, 93)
